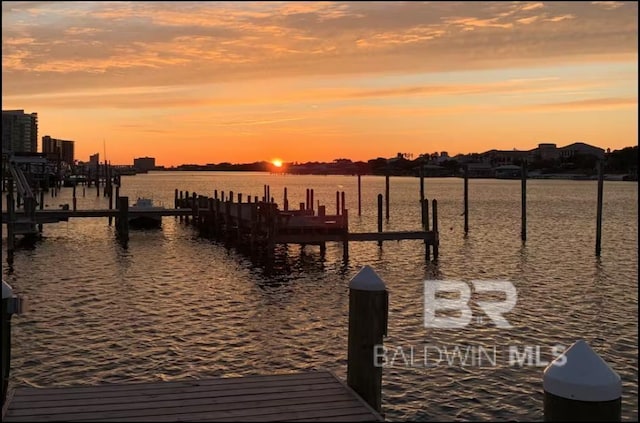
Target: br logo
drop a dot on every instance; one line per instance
(493, 309)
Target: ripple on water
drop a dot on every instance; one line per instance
(175, 306)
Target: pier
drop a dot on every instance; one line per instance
(259, 224)
(256, 225)
(307, 396)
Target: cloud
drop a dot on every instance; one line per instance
(58, 46)
(579, 105)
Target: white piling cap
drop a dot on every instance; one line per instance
(584, 376)
(7, 291)
(367, 280)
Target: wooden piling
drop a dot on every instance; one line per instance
(110, 205)
(368, 317)
(359, 196)
(523, 193)
(175, 199)
(600, 166)
(345, 235)
(311, 204)
(466, 199)
(285, 200)
(338, 203)
(343, 203)
(386, 195)
(11, 237)
(41, 208)
(307, 200)
(436, 242)
(123, 219)
(380, 217)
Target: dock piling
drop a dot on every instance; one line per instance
(580, 386)
(123, 219)
(386, 195)
(523, 184)
(466, 199)
(359, 197)
(368, 316)
(436, 242)
(380, 217)
(600, 166)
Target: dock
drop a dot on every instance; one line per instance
(258, 224)
(306, 396)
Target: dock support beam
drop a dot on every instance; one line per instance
(436, 242)
(368, 316)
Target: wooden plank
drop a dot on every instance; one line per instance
(259, 408)
(290, 412)
(140, 401)
(182, 408)
(361, 417)
(101, 389)
(141, 396)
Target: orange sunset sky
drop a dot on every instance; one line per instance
(207, 82)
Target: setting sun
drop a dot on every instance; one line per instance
(277, 163)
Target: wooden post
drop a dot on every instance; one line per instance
(436, 242)
(239, 218)
(600, 166)
(41, 208)
(368, 317)
(285, 201)
(359, 197)
(338, 203)
(580, 386)
(422, 203)
(110, 205)
(386, 195)
(343, 203)
(345, 234)
(11, 236)
(311, 199)
(123, 219)
(523, 190)
(379, 217)
(215, 194)
(175, 199)
(466, 199)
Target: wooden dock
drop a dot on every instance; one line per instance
(309, 396)
(258, 224)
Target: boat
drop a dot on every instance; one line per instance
(140, 220)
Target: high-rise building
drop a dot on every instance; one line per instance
(56, 149)
(19, 131)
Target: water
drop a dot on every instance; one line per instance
(175, 306)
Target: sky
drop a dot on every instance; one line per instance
(211, 82)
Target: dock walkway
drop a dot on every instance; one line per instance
(308, 396)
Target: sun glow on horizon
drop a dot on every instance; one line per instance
(277, 162)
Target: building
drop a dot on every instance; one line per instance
(19, 131)
(56, 149)
(504, 157)
(580, 149)
(144, 164)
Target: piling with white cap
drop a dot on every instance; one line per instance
(580, 386)
(368, 311)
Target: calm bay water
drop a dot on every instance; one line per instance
(174, 306)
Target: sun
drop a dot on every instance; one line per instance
(277, 162)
